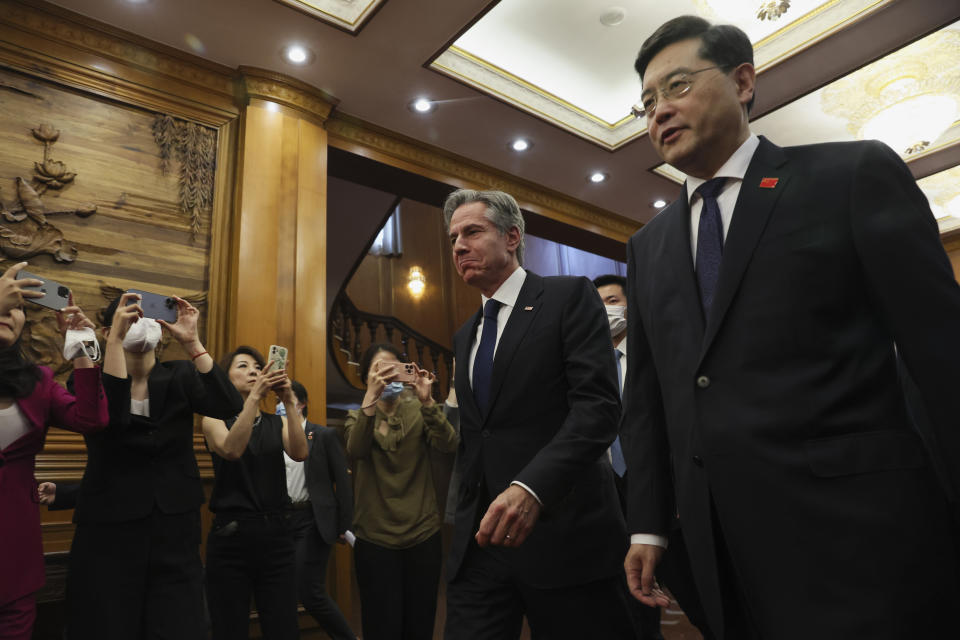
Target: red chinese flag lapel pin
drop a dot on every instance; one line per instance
(528, 308)
(768, 183)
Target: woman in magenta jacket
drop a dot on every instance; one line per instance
(31, 401)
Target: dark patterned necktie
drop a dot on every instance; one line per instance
(483, 361)
(616, 450)
(709, 241)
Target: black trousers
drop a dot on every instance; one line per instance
(312, 554)
(398, 589)
(139, 579)
(251, 557)
(487, 602)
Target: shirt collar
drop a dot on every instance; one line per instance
(622, 347)
(509, 291)
(735, 166)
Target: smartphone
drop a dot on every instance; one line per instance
(278, 356)
(156, 306)
(55, 295)
(404, 372)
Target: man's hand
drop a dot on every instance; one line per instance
(640, 564)
(510, 518)
(47, 492)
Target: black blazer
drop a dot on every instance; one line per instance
(328, 483)
(136, 463)
(782, 410)
(553, 412)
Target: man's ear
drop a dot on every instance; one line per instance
(513, 239)
(745, 76)
(105, 332)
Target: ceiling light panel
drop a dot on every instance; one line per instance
(349, 15)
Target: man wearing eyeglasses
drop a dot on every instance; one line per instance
(767, 308)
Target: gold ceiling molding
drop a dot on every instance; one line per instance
(357, 136)
(284, 90)
(349, 15)
(798, 32)
(491, 79)
(46, 41)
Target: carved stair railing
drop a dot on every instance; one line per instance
(351, 331)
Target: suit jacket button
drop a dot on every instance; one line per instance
(697, 460)
(485, 433)
(703, 382)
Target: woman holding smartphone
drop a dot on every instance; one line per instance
(396, 518)
(250, 548)
(135, 569)
(30, 402)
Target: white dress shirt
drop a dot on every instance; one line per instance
(13, 425)
(735, 168)
(506, 295)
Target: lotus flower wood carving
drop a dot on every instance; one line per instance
(24, 228)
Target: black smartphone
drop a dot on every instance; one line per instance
(55, 295)
(157, 306)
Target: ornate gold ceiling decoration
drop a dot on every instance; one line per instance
(796, 28)
(349, 15)
(909, 99)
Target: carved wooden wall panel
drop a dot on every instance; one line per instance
(138, 235)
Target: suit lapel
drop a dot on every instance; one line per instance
(464, 342)
(157, 384)
(679, 261)
(524, 311)
(750, 216)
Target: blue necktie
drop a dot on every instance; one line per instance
(616, 451)
(709, 241)
(483, 361)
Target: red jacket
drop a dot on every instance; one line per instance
(21, 551)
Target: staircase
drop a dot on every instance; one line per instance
(351, 331)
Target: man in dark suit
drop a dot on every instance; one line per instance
(538, 528)
(767, 306)
(321, 498)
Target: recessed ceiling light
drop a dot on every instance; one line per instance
(597, 177)
(520, 144)
(421, 105)
(659, 204)
(296, 54)
(613, 16)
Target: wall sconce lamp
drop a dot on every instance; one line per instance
(416, 283)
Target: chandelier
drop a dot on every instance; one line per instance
(908, 99)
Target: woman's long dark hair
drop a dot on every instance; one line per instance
(18, 376)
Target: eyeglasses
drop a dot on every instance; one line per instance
(677, 85)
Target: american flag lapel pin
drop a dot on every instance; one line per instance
(768, 183)
(528, 308)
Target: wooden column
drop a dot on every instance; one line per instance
(279, 263)
(280, 226)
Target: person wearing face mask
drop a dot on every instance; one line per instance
(396, 516)
(250, 549)
(675, 570)
(135, 569)
(30, 402)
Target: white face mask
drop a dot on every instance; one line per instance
(617, 317)
(81, 342)
(142, 336)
